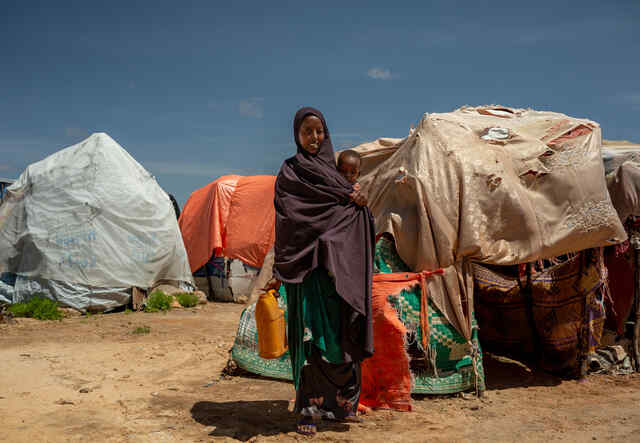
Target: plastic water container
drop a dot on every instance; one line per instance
(272, 333)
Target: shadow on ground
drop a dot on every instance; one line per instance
(505, 373)
(244, 420)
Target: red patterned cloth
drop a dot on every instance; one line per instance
(621, 287)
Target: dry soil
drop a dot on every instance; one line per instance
(95, 379)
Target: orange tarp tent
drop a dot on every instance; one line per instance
(233, 217)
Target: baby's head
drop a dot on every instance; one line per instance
(349, 165)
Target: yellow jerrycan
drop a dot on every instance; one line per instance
(272, 333)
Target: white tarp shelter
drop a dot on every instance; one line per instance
(85, 225)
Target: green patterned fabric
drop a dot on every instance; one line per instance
(451, 364)
(454, 369)
(245, 348)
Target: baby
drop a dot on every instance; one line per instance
(349, 166)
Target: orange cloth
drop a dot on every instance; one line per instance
(386, 378)
(251, 231)
(232, 216)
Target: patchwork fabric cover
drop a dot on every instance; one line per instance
(245, 347)
(455, 364)
(566, 310)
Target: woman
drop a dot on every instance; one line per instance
(324, 249)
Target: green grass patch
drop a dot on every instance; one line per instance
(187, 300)
(38, 307)
(158, 301)
(141, 330)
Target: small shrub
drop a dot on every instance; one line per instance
(187, 300)
(38, 307)
(128, 311)
(142, 330)
(158, 301)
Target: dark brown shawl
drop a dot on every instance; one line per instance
(318, 225)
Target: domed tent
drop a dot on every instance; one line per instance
(84, 226)
(228, 228)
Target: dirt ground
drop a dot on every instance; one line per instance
(94, 379)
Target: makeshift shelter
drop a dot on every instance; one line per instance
(615, 153)
(495, 185)
(562, 303)
(489, 184)
(228, 226)
(622, 164)
(84, 226)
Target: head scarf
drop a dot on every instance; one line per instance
(317, 225)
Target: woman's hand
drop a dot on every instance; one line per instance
(273, 284)
(357, 196)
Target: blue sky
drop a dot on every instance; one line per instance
(195, 90)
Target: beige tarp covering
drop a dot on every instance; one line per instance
(490, 184)
(616, 154)
(624, 189)
(622, 164)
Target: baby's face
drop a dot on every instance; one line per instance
(350, 169)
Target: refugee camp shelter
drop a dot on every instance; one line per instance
(228, 228)
(622, 165)
(481, 186)
(86, 225)
(495, 186)
(614, 153)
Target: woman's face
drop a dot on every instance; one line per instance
(311, 134)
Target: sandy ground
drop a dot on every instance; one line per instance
(93, 379)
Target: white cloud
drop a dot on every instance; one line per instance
(379, 73)
(252, 107)
(76, 132)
